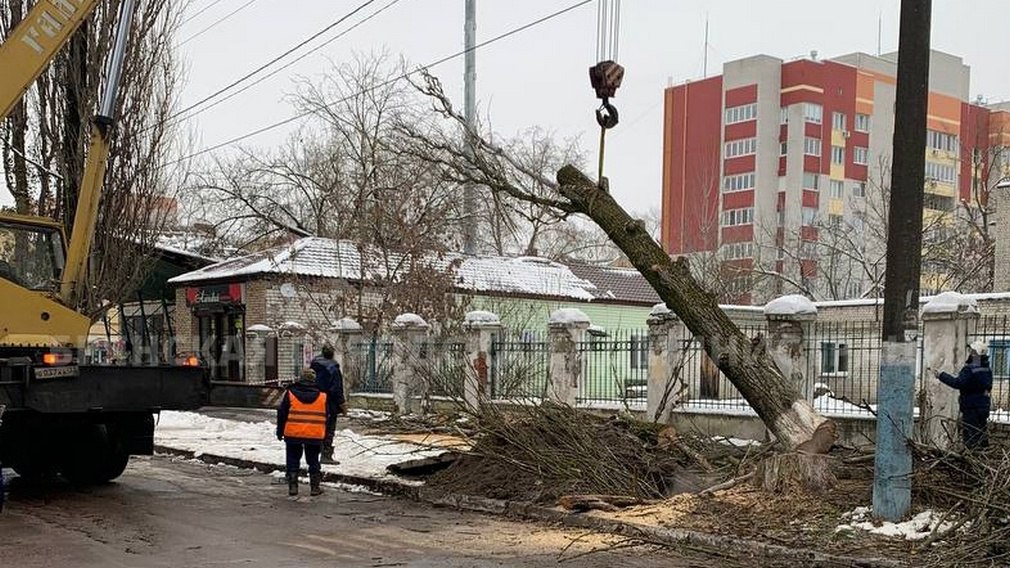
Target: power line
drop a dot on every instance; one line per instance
(383, 83)
(200, 11)
(219, 20)
(274, 72)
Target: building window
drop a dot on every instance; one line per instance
(734, 217)
(743, 147)
(838, 120)
(999, 350)
(835, 221)
(838, 154)
(812, 146)
(859, 189)
(736, 251)
(938, 202)
(863, 122)
(639, 351)
(837, 189)
(741, 113)
(738, 182)
(812, 181)
(859, 155)
(813, 113)
(937, 140)
(784, 115)
(809, 216)
(834, 358)
(941, 173)
(783, 148)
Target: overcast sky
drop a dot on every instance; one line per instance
(539, 77)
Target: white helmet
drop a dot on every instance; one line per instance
(979, 346)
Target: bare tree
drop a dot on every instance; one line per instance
(43, 143)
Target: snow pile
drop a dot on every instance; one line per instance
(791, 305)
(917, 528)
(950, 303)
(660, 309)
(360, 455)
(480, 317)
(346, 324)
(409, 320)
(568, 316)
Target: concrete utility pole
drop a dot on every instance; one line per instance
(470, 111)
(892, 483)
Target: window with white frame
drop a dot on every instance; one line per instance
(862, 122)
(783, 148)
(738, 182)
(812, 146)
(838, 154)
(743, 147)
(941, 173)
(741, 113)
(859, 189)
(860, 155)
(813, 112)
(838, 120)
(834, 358)
(937, 140)
(734, 217)
(837, 189)
(639, 351)
(811, 180)
(782, 218)
(784, 115)
(835, 220)
(734, 251)
(809, 216)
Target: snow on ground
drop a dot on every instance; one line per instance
(917, 528)
(358, 454)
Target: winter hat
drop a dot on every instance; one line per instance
(308, 375)
(979, 346)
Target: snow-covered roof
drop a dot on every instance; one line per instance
(329, 258)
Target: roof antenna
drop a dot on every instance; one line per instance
(880, 27)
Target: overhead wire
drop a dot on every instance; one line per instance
(216, 23)
(171, 117)
(379, 85)
(200, 11)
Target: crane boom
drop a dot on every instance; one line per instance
(34, 42)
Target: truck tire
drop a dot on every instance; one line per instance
(94, 456)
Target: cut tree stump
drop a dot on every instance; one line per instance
(781, 473)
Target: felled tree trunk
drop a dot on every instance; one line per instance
(781, 473)
(744, 362)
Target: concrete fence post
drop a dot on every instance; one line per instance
(565, 330)
(481, 328)
(948, 321)
(791, 321)
(256, 352)
(666, 362)
(409, 388)
(344, 335)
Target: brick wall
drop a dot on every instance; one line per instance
(1001, 233)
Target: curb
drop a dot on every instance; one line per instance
(528, 511)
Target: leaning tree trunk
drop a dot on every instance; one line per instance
(744, 362)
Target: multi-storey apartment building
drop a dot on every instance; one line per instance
(763, 161)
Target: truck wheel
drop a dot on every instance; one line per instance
(94, 456)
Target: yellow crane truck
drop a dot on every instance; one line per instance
(57, 414)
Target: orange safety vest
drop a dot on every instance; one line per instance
(306, 421)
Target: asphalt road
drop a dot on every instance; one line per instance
(169, 512)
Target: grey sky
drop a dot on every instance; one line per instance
(539, 77)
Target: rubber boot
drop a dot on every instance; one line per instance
(327, 456)
(292, 484)
(314, 480)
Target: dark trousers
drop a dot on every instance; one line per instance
(973, 427)
(331, 427)
(294, 450)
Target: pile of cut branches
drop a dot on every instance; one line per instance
(541, 453)
(974, 490)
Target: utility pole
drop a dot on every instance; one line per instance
(892, 483)
(469, 112)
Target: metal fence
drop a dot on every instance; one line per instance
(519, 364)
(995, 329)
(615, 367)
(698, 381)
(371, 369)
(442, 364)
(843, 359)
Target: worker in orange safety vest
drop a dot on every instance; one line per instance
(301, 423)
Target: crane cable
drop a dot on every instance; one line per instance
(605, 77)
